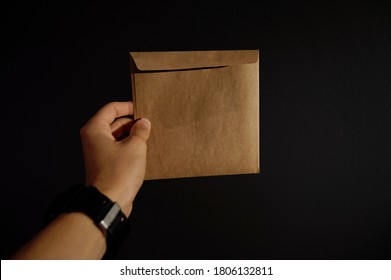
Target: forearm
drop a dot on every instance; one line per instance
(69, 236)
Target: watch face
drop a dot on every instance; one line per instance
(106, 222)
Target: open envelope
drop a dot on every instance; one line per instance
(204, 110)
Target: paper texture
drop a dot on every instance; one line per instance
(204, 110)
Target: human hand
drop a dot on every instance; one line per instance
(115, 150)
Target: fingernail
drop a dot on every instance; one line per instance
(145, 122)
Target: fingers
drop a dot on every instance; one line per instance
(141, 128)
(108, 120)
(119, 123)
(109, 112)
(120, 128)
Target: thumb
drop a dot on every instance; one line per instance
(141, 128)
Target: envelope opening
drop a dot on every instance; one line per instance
(189, 60)
(178, 70)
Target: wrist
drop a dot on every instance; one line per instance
(116, 193)
(106, 214)
(124, 203)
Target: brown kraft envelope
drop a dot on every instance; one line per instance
(204, 110)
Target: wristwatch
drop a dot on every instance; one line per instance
(106, 214)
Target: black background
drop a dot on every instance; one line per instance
(324, 190)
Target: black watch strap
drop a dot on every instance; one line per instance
(106, 214)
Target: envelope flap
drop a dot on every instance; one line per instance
(176, 60)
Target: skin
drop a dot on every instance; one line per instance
(114, 150)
